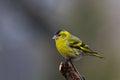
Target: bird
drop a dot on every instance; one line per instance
(71, 47)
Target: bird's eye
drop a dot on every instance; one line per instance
(59, 35)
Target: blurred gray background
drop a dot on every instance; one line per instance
(27, 51)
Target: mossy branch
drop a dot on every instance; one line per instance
(69, 71)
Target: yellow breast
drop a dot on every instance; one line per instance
(64, 49)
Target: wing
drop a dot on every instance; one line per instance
(75, 42)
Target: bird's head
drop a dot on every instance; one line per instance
(61, 34)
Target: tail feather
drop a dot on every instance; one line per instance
(96, 55)
(90, 52)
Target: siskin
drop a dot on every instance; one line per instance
(71, 47)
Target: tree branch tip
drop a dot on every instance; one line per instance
(69, 71)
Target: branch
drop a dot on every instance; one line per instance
(69, 71)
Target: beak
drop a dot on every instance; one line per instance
(54, 37)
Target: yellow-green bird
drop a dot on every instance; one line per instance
(71, 47)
